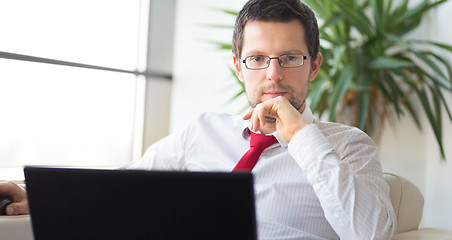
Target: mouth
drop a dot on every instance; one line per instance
(274, 94)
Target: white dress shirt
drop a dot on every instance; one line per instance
(327, 183)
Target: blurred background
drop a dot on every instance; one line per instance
(94, 83)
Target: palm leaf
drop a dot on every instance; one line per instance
(363, 98)
(222, 46)
(339, 89)
(381, 63)
(368, 56)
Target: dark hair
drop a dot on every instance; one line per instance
(277, 11)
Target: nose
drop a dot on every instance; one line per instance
(274, 70)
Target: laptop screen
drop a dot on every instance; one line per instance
(138, 204)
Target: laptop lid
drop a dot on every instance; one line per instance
(138, 204)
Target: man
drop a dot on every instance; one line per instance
(319, 180)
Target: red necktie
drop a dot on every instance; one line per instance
(258, 143)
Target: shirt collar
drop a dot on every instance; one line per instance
(306, 114)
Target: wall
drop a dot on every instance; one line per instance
(202, 83)
(160, 54)
(438, 190)
(414, 154)
(202, 80)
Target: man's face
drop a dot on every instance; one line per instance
(274, 39)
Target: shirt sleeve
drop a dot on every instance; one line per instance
(347, 180)
(166, 154)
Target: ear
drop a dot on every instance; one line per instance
(316, 66)
(237, 68)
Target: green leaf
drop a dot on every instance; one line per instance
(240, 93)
(422, 56)
(389, 63)
(445, 104)
(230, 12)
(401, 8)
(431, 117)
(447, 66)
(339, 90)
(410, 81)
(318, 7)
(332, 20)
(377, 7)
(355, 17)
(413, 113)
(218, 26)
(364, 43)
(436, 103)
(424, 73)
(322, 105)
(440, 45)
(316, 93)
(419, 10)
(413, 13)
(383, 89)
(363, 98)
(387, 11)
(339, 52)
(395, 93)
(231, 69)
(222, 46)
(393, 16)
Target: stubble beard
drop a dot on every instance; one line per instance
(297, 100)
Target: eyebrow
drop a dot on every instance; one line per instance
(257, 52)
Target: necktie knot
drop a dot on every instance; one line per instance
(261, 141)
(258, 143)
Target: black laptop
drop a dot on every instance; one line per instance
(135, 204)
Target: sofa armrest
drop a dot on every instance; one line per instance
(425, 234)
(407, 202)
(16, 227)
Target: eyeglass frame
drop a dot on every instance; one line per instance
(279, 60)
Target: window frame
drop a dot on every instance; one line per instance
(148, 71)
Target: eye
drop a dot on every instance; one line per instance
(256, 58)
(292, 58)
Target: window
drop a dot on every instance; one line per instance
(86, 108)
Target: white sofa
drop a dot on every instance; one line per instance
(406, 199)
(15, 228)
(408, 204)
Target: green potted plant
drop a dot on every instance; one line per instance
(371, 70)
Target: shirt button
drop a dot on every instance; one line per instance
(316, 186)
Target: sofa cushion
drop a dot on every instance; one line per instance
(425, 234)
(407, 201)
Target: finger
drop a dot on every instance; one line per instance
(7, 188)
(261, 115)
(255, 119)
(18, 208)
(248, 114)
(18, 195)
(12, 190)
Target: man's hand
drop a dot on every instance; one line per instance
(288, 120)
(18, 196)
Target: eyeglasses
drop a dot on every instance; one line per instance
(286, 61)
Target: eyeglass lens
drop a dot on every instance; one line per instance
(287, 61)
